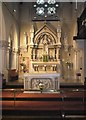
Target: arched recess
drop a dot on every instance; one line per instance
(44, 39)
(45, 32)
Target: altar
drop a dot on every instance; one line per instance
(50, 81)
(44, 59)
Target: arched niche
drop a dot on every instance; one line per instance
(45, 34)
(45, 38)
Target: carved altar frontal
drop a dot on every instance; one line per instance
(49, 81)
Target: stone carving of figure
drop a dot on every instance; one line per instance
(45, 45)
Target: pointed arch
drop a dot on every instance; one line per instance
(45, 35)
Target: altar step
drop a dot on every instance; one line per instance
(62, 86)
(47, 116)
(71, 85)
(16, 85)
(30, 104)
(43, 118)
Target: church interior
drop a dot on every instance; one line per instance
(42, 65)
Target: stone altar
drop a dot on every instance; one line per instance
(50, 81)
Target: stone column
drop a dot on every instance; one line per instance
(25, 38)
(7, 59)
(3, 57)
(59, 33)
(58, 53)
(14, 60)
(32, 35)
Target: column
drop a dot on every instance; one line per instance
(55, 53)
(59, 33)
(3, 58)
(32, 53)
(7, 59)
(14, 60)
(31, 35)
(0, 59)
(25, 42)
(25, 38)
(58, 53)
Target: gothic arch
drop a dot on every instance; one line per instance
(45, 35)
